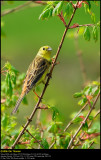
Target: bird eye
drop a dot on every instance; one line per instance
(43, 48)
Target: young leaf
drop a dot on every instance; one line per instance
(68, 9)
(98, 24)
(89, 4)
(96, 83)
(85, 127)
(91, 130)
(58, 8)
(56, 116)
(77, 119)
(85, 145)
(82, 101)
(95, 33)
(8, 65)
(86, 34)
(91, 117)
(45, 143)
(45, 14)
(52, 128)
(9, 85)
(93, 17)
(78, 94)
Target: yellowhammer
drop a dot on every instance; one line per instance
(36, 72)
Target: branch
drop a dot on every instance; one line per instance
(33, 137)
(19, 7)
(47, 82)
(71, 122)
(77, 25)
(91, 145)
(75, 117)
(84, 132)
(71, 141)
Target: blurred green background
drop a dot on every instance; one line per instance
(25, 34)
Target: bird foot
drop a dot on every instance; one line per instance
(36, 94)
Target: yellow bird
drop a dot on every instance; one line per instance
(36, 73)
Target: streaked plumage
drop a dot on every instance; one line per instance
(36, 73)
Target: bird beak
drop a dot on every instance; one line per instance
(49, 49)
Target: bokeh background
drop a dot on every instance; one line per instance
(25, 34)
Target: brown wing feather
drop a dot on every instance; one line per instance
(34, 73)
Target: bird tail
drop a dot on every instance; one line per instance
(17, 104)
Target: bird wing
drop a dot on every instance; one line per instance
(35, 72)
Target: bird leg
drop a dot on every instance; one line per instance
(36, 93)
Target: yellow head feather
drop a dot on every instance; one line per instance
(45, 52)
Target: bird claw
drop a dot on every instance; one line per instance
(36, 94)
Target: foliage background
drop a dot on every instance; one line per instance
(25, 34)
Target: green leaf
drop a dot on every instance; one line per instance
(77, 119)
(86, 7)
(8, 65)
(8, 102)
(68, 9)
(95, 91)
(96, 83)
(98, 24)
(82, 101)
(52, 3)
(95, 33)
(4, 120)
(45, 143)
(86, 33)
(96, 126)
(58, 8)
(45, 14)
(89, 4)
(87, 90)
(10, 88)
(52, 128)
(91, 117)
(55, 115)
(85, 127)
(78, 94)
(14, 70)
(47, 7)
(93, 17)
(13, 78)
(85, 145)
(91, 130)
(9, 85)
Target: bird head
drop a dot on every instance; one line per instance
(45, 52)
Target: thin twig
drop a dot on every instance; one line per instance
(80, 127)
(89, 125)
(33, 137)
(75, 117)
(71, 122)
(77, 25)
(91, 144)
(19, 7)
(47, 82)
(15, 9)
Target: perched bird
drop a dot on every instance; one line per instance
(36, 73)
